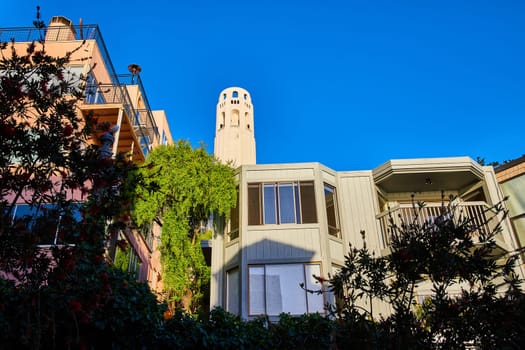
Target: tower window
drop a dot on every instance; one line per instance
(223, 96)
(235, 94)
(245, 96)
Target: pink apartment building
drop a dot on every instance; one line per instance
(118, 99)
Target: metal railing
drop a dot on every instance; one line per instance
(134, 79)
(145, 123)
(141, 120)
(479, 214)
(146, 119)
(61, 33)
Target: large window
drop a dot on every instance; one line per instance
(281, 203)
(332, 216)
(278, 288)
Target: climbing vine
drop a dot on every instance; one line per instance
(182, 187)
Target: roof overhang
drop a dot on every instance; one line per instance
(427, 174)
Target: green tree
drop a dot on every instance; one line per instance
(188, 186)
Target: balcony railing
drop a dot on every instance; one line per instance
(144, 116)
(145, 125)
(142, 120)
(479, 213)
(65, 33)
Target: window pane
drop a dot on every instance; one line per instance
(256, 287)
(331, 210)
(315, 301)
(254, 205)
(286, 204)
(234, 219)
(308, 209)
(270, 214)
(274, 298)
(297, 205)
(283, 290)
(22, 210)
(232, 291)
(77, 214)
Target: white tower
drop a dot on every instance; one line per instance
(234, 132)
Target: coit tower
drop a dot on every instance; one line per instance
(234, 132)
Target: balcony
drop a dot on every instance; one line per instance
(427, 175)
(480, 214)
(109, 103)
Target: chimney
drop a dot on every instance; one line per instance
(60, 29)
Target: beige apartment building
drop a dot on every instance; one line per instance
(297, 220)
(511, 177)
(118, 99)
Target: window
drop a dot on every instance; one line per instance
(336, 298)
(53, 224)
(66, 82)
(93, 94)
(146, 230)
(145, 144)
(276, 288)
(126, 258)
(235, 94)
(232, 291)
(281, 203)
(332, 216)
(234, 221)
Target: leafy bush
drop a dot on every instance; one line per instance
(453, 250)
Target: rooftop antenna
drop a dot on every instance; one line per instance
(134, 69)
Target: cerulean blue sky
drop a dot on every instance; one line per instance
(349, 84)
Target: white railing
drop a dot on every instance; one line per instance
(481, 217)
